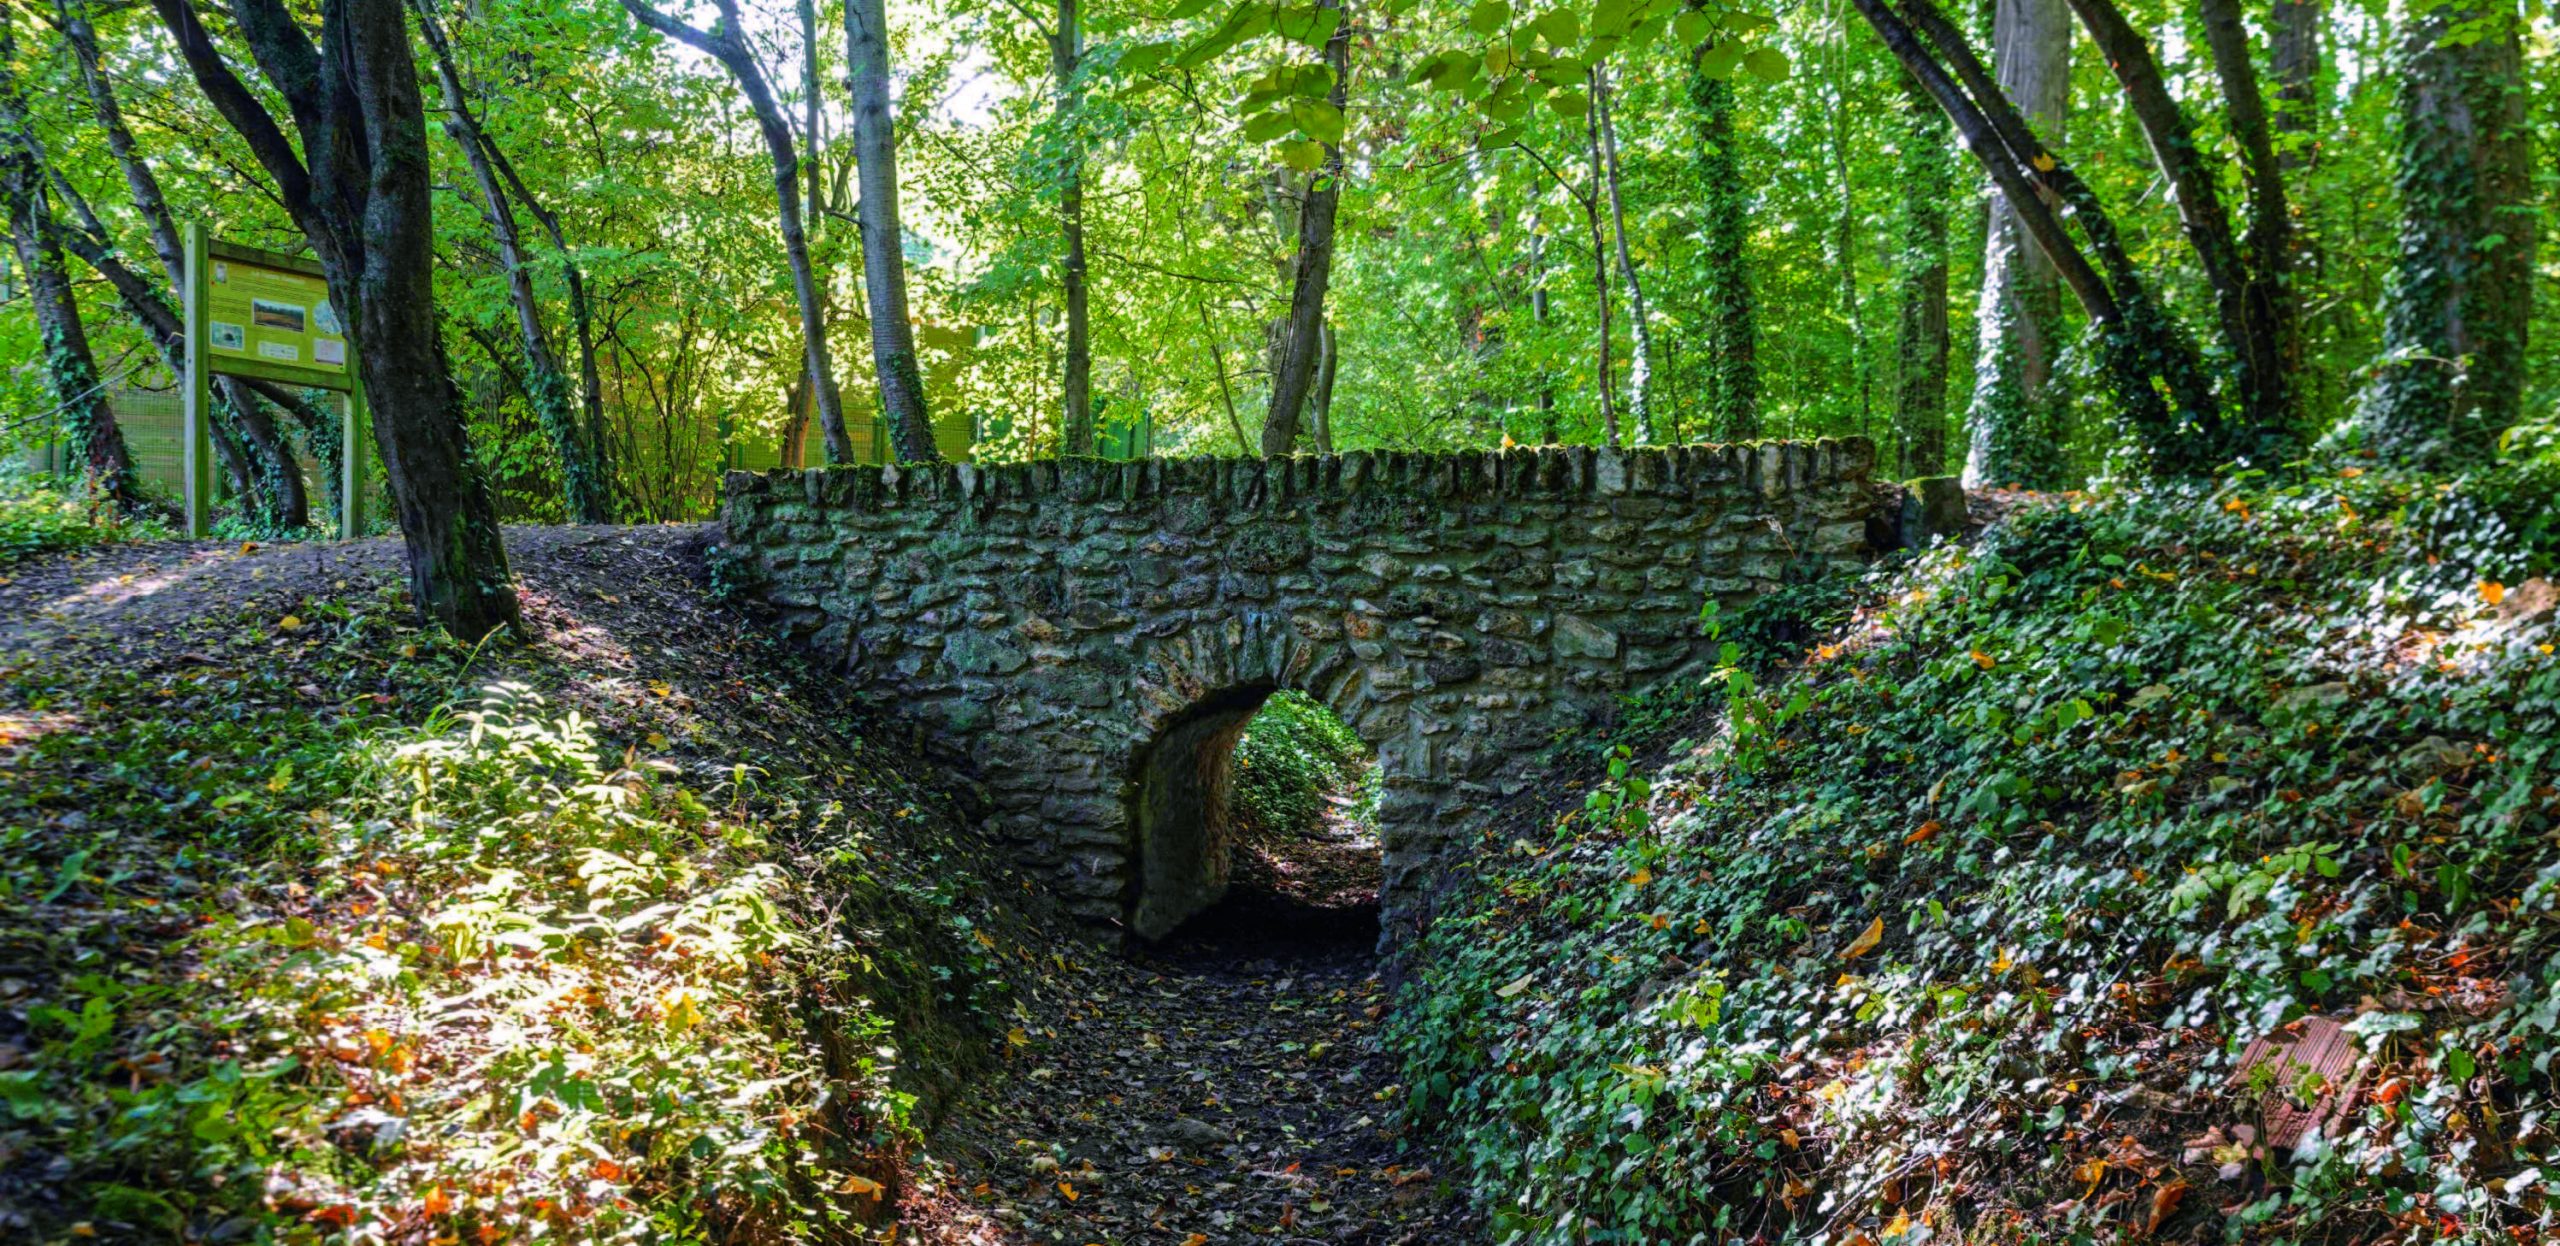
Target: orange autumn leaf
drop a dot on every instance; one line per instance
(1067, 1190)
(1922, 835)
(1866, 941)
(2492, 592)
(856, 1183)
(438, 1202)
(1983, 660)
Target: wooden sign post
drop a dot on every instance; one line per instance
(264, 316)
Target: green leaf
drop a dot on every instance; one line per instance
(1317, 119)
(1310, 26)
(1188, 9)
(1721, 60)
(1767, 64)
(1693, 27)
(1303, 155)
(1558, 27)
(1489, 16)
(1262, 127)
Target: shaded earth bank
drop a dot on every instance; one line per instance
(192, 733)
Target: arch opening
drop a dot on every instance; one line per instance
(1253, 819)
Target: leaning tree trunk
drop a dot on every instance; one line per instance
(1294, 377)
(884, 261)
(1920, 382)
(1733, 369)
(2460, 301)
(582, 484)
(2016, 432)
(70, 368)
(1075, 382)
(1639, 332)
(726, 43)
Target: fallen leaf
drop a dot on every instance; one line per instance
(856, 1183)
(1866, 941)
(2491, 592)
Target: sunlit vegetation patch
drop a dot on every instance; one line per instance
(1965, 919)
(300, 959)
(38, 518)
(1296, 754)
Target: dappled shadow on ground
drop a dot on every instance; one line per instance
(1222, 1085)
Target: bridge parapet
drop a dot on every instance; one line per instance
(1094, 634)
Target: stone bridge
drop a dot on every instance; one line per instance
(1094, 635)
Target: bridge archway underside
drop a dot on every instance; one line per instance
(1092, 635)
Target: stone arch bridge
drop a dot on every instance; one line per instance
(1095, 635)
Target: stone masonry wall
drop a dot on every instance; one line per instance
(1055, 619)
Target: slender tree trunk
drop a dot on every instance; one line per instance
(1549, 433)
(1226, 392)
(1845, 240)
(1733, 374)
(1639, 330)
(2293, 60)
(884, 261)
(71, 369)
(726, 43)
(582, 484)
(2460, 302)
(2016, 427)
(1920, 384)
(581, 317)
(1321, 404)
(1607, 371)
(1075, 384)
(1295, 376)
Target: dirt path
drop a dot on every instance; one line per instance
(1202, 1094)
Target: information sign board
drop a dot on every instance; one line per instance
(264, 316)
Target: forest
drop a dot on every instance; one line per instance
(1392, 621)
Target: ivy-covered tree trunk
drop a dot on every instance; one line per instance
(2455, 315)
(1606, 371)
(583, 487)
(71, 370)
(1926, 165)
(884, 259)
(1294, 374)
(2015, 427)
(1733, 371)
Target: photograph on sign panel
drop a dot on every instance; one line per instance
(273, 315)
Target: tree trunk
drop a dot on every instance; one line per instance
(1075, 384)
(884, 261)
(1845, 237)
(1733, 336)
(1607, 371)
(726, 43)
(365, 203)
(71, 370)
(2293, 59)
(1639, 329)
(1548, 432)
(2250, 307)
(1295, 376)
(1321, 404)
(1920, 383)
(582, 485)
(581, 317)
(2016, 429)
(2456, 314)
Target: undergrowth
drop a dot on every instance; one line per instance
(1962, 924)
(38, 518)
(1293, 755)
(289, 953)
